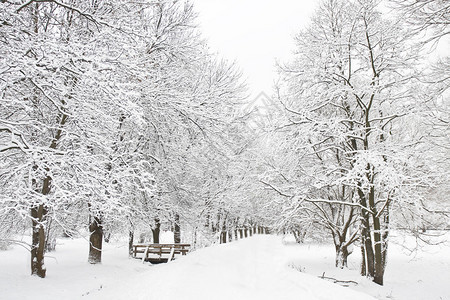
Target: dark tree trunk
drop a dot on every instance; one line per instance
(341, 256)
(95, 240)
(370, 258)
(223, 234)
(177, 232)
(236, 234)
(379, 261)
(241, 233)
(246, 232)
(130, 242)
(207, 221)
(381, 234)
(297, 236)
(250, 231)
(38, 241)
(366, 238)
(363, 261)
(378, 242)
(385, 236)
(223, 237)
(156, 231)
(194, 242)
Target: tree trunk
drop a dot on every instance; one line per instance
(194, 242)
(130, 242)
(156, 231)
(37, 213)
(207, 221)
(297, 236)
(241, 233)
(385, 236)
(236, 234)
(38, 241)
(341, 256)
(223, 237)
(245, 232)
(223, 234)
(363, 261)
(378, 243)
(177, 232)
(95, 240)
(230, 235)
(366, 238)
(370, 258)
(379, 269)
(379, 261)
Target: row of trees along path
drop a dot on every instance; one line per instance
(116, 112)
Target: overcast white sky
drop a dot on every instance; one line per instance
(254, 33)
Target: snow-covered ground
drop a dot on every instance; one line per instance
(423, 274)
(260, 267)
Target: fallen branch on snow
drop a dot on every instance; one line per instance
(345, 283)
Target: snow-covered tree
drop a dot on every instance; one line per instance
(100, 104)
(348, 94)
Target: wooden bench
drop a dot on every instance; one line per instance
(154, 252)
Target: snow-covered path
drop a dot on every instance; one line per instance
(254, 268)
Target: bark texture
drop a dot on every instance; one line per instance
(95, 240)
(341, 256)
(176, 231)
(38, 241)
(156, 231)
(130, 242)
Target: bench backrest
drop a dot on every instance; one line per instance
(156, 246)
